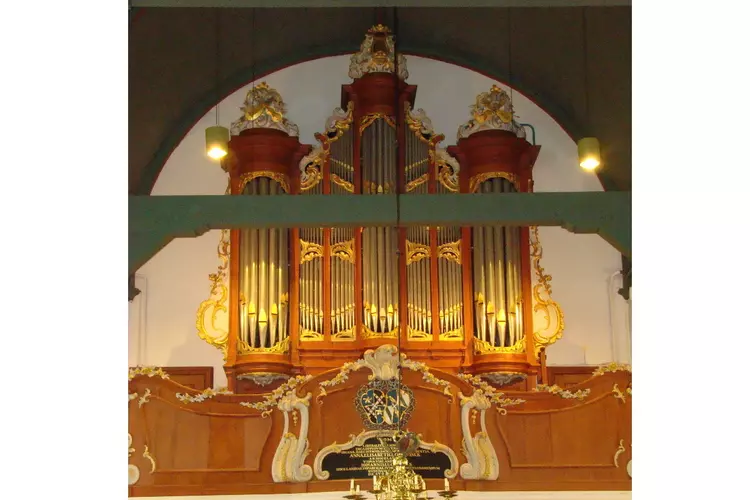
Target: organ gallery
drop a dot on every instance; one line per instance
(340, 341)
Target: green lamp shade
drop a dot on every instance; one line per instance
(217, 142)
(589, 155)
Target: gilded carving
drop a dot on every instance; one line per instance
(339, 122)
(346, 185)
(622, 395)
(269, 402)
(264, 108)
(203, 396)
(478, 179)
(310, 167)
(411, 186)
(367, 333)
(580, 395)
(344, 250)
(309, 335)
(370, 118)
(457, 334)
(542, 295)
(496, 397)
(147, 455)
(416, 252)
(282, 179)
(310, 251)
(447, 168)
(492, 110)
(418, 335)
(216, 303)
(344, 335)
(376, 55)
(611, 368)
(147, 371)
(484, 347)
(383, 363)
(450, 251)
(281, 347)
(620, 450)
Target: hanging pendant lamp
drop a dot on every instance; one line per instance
(589, 155)
(217, 137)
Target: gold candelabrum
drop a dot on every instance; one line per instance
(401, 483)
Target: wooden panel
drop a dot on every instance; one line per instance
(195, 377)
(568, 376)
(217, 446)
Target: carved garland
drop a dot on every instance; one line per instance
(484, 347)
(611, 368)
(203, 396)
(267, 405)
(542, 294)
(495, 396)
(383, 363)
(580, 395)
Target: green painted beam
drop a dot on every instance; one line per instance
(156, 220)
(379, 3)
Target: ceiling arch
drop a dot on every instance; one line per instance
(173, 66)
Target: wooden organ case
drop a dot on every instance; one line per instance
(310, 299)
(315, 315)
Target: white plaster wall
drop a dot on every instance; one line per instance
(581, 266)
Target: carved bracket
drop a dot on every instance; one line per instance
(289, 460)
(482, 462)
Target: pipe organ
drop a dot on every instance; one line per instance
(307, 300)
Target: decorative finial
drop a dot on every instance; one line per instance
(376, 55)
(493, 110)
(264, 108)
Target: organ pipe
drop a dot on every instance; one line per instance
(497, 277)
(264, 281)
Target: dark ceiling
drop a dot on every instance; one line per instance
(172, 64)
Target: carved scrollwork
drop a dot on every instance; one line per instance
(492, 110)
(447, 169)
(346, 185)
(542, 296)
(344, 251)
(281, 347)
(411, 186)
(207, 316)
(310, 167)
(264, 108)
(310, 251)
(484, 347)
(496, 397)
(482, 462)
(376, 55)
(450, 251)
(370, 118)
(289, 460)
(383, 363)
(416, 252)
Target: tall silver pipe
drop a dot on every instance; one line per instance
(283, 283)
(273, 308)
(480, 291)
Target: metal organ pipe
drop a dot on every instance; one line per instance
(264, 279)
(497, 280)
